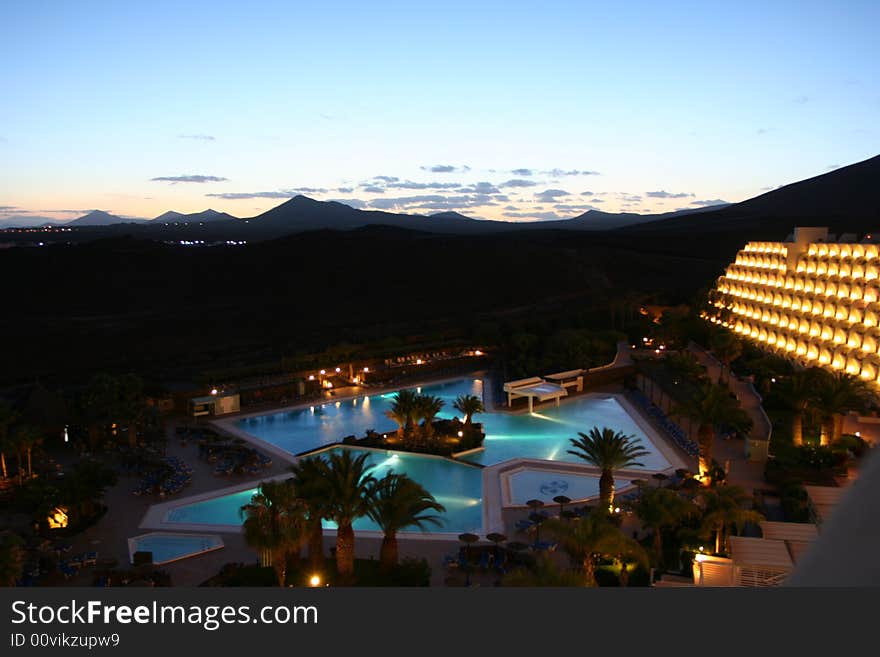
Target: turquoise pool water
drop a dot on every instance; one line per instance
(542, 485)
(170, 547)
(543, 435)
(456, 486)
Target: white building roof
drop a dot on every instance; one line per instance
(748, 552)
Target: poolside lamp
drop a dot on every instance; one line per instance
(315, 580)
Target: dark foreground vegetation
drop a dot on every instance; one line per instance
(171, 313)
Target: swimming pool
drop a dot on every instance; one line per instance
(168, 547)
(457, 486)
(542, 435)
(544, 485)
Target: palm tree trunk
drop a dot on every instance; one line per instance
(658, 545)
(706, 436)
(624, 574)
(20, 469)
(345, 551)
(837, 428)
(606, 489)
(797, 429)
(3, 464)
(827, 431)
(316, 547)
(388, 553)
(589, 571)
(279, 563)
(30, 471)
(718, 539)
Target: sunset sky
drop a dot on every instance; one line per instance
(501, 110)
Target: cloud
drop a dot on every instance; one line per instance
(518, 182)
(193, 178)
(373, 189)
(482, 188)
(522, 172)
(631, 198)
(236, 196)
(665, 194)
(445, 168)
(833, 166)
(709, 202)
(558, 173)
(345, 190)
(762, 131)
(538, 216)
(358, 204)
(800, 100)
(433, 202)
(550, 195)
(573, 207)
(409, 184)
(309, 190)
(9, 208)
(387, 179)
(197, 137)
(587, 194)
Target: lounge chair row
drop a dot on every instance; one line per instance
(675, 432)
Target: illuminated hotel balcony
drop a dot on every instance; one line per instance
(811, 299)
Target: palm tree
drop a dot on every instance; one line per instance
(310, 485)
(12, 558)
(836, 395)
(710, 407)
(723, 509)
(798, 391)
(468, 405)
(588, 538)
(27, 437)
(349, 485)
(397, 502)
(608, 450)
(274, 523)
(428, 406)
(661, 508)
(403, 411)
(626, 551)
(7, 442)
(727, 346)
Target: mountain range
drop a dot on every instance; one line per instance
(843, 199)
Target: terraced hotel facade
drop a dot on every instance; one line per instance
(812, 299)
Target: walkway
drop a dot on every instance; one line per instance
(731, 453)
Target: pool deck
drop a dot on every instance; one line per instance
(128, 514)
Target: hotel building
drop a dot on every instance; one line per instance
(811, 298)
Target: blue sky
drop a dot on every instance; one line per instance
(137, 108)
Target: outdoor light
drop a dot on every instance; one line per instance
(478, 353)
(67, 437)
(311, 377)
(315, 580)
(337, 370)
(213, 391)
(366, 369)
(418, 361)
(323, 372)
(617, 509)
(460, 434)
